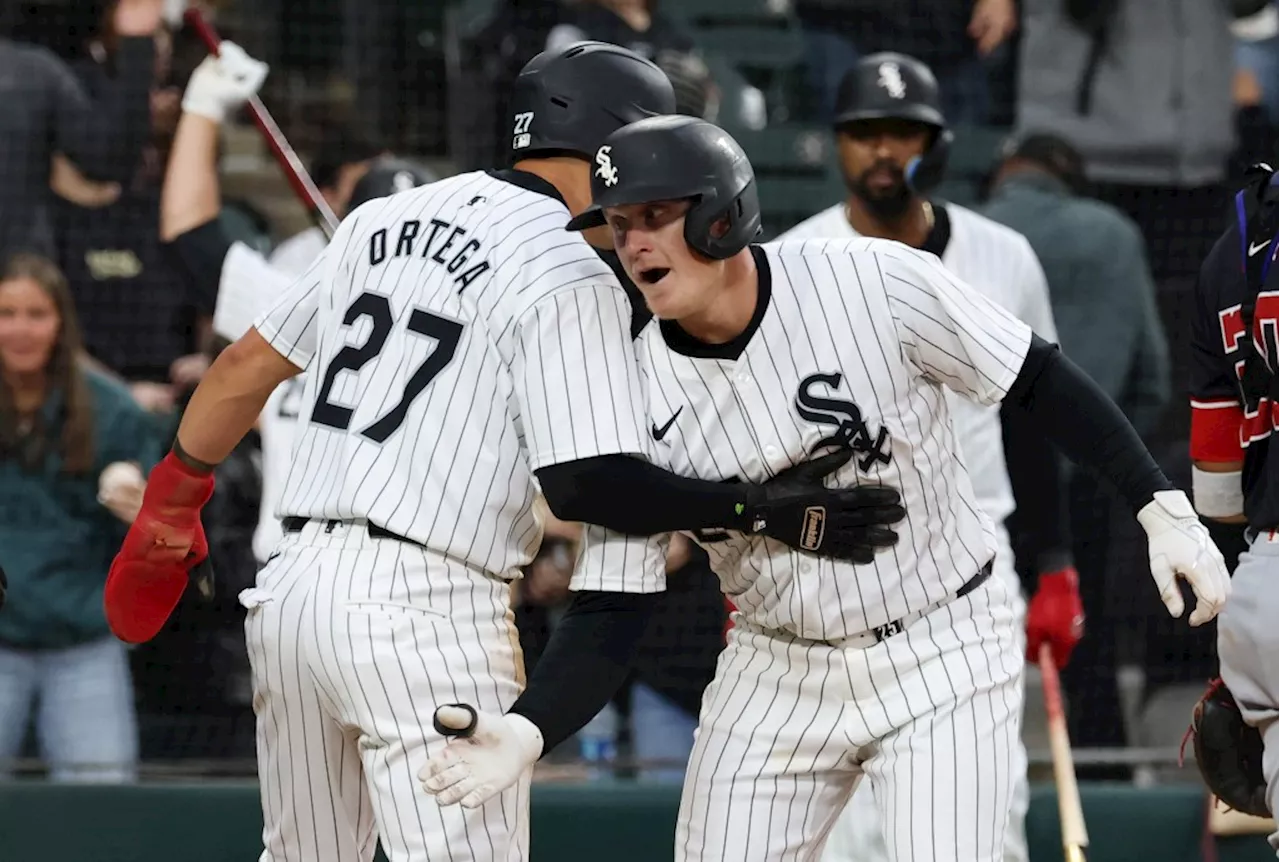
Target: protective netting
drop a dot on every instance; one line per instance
(428, 79)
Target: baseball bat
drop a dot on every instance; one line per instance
(294, 171)
(1074, 835)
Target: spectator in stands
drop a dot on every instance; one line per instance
(1257, 40)
(490, 58)
(342, 158)
(48, 111)
(954, 38)
(637, 25)
(1104, 303)
(140, 318)
(66, 433)
(1143, 91)
(1095, 261)
(643, 27)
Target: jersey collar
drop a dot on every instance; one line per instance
(529, 182)
(940, 234)
(684, 343)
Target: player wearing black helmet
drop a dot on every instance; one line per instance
(900, 665)
(388, 175)
(893, 143)
(461, 353)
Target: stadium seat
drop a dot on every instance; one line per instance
(760, 38)
(795, 172)
(973, 155)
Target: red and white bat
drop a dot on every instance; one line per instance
(294, 171)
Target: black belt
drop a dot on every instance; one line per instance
(893, 627)
(295, 523)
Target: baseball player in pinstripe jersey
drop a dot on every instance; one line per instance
(462, 351)
(903, 668)
(242, 280)
(889, 124)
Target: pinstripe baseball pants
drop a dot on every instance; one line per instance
(353, 642)
(930, 716)
(857, 836)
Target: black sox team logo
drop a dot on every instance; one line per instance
(851, 429)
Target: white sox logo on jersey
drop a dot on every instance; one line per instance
(851, 428)
(606, 171)
(891, 79)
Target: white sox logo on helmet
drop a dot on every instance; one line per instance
(606, 171)
(402, 181)
(891, 79)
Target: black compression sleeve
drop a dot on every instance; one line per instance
(201, 252)
(629, 495)
(1039, 490)
(585, 662)
(1073, 413)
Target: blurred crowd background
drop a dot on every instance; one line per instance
(1166, 101)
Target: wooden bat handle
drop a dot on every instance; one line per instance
(294, 171)
(1075, 836)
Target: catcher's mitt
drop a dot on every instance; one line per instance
(1228, 751)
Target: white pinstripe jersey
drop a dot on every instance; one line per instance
(855, 345)
(458, 338)
(999, 263)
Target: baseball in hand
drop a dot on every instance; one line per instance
(120, 489)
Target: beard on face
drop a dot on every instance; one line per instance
(885, 203)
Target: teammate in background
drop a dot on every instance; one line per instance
(889, 125)
(244, 283)
(464, 350)
(344, 155)
(1234, 409)
(904, 668)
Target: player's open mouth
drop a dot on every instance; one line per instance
(655, 275)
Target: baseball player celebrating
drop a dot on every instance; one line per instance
(889, 125)
(1234, 413)
(242, 280)
(903, 668)
(462, 350)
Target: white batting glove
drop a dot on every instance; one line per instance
(221, 84)
(1180, 546)
(491, 756)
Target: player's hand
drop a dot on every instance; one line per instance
(992, 23)
(845, 523)
(164, 544)
(222, 84)
(1179, 546)
(487, 754)
(1055, 616)
(137, 17)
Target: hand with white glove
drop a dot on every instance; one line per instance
(221, 84)
(487, 754)
(1179, 546)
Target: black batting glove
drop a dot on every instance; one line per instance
(796, 509)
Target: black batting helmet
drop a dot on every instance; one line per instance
(674, 158)
(569, 101)
(386, 176)
(889, 85)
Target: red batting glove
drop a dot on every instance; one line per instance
(166, 540)
(1055, 616)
